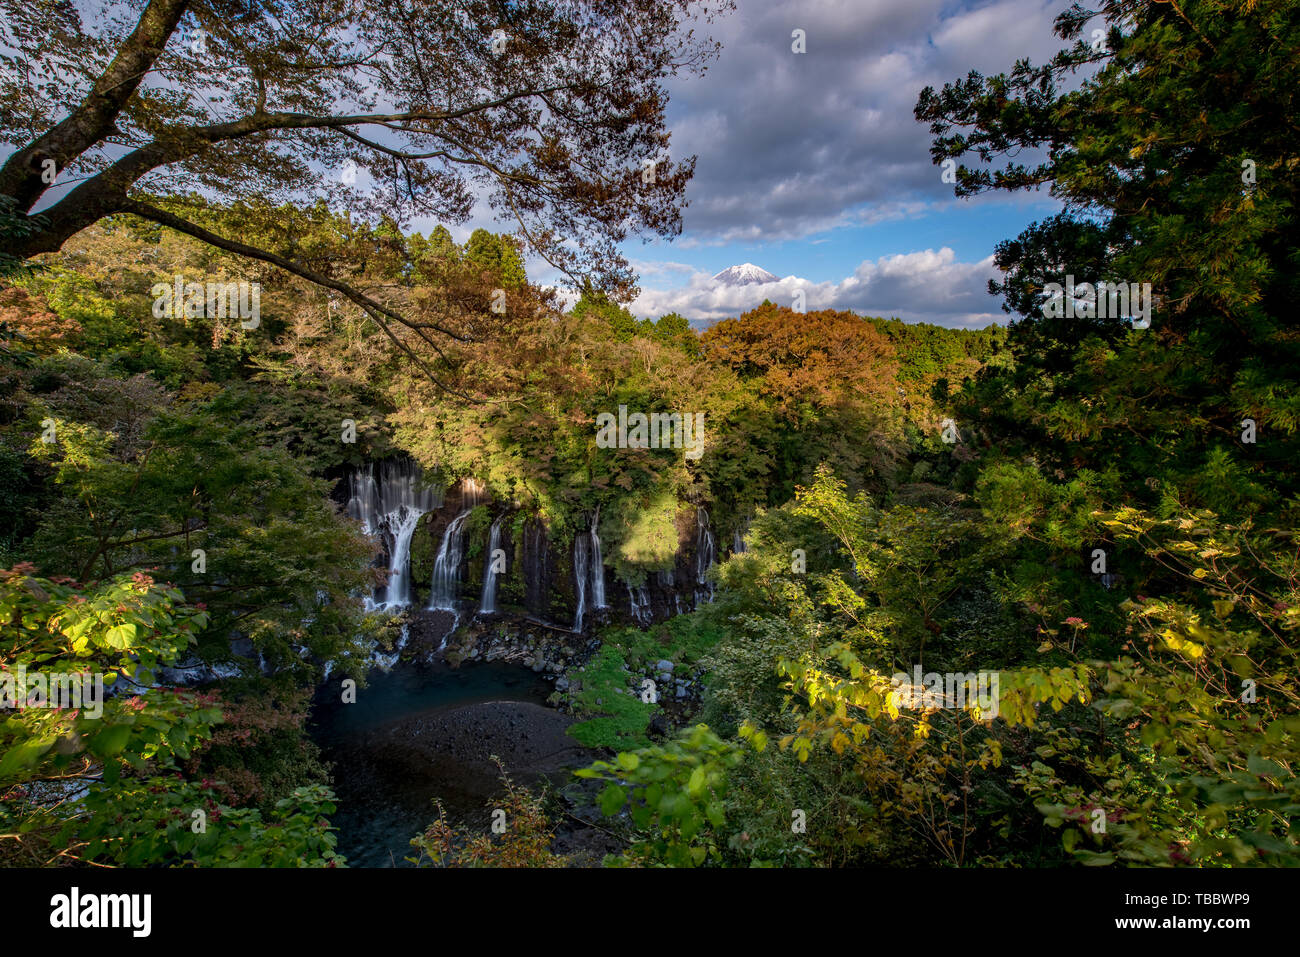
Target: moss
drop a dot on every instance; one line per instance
(621, 718)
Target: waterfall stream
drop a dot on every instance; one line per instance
(389, 499)
(488, 603)
(445, 586)
(597, 566)
(581, 574)
(446, 567)
(639, 603)
(706, 552)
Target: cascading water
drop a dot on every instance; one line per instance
(445, 586)
(581, 574)
(389, 500)
(385, 662)
(706, 551)
(597, 566)
(488, 603)
(639, 603)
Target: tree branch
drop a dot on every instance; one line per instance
(94, 118)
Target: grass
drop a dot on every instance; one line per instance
(620, 719)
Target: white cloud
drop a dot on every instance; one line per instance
(925, 286)
(795, 144)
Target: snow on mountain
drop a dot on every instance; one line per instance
(746, 274)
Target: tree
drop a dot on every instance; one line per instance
(622, 324)
(556, 111)
(1174, 154)
(127, 751)
(497, 254)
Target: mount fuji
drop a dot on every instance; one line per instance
(746, 274)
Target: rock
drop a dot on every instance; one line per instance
(664, 664)
(658, 726)
(561, 683)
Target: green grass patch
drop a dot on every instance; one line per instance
(620, 719)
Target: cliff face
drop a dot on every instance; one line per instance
(439, 546)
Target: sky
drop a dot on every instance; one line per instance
(812, 166)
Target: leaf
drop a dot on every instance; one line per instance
(23, 755)
(111, 740)
(120, 636)
(611, 800)
(628, 760)
(696, 783)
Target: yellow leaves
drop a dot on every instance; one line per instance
(992, 754)
(891, 707)
(1183, 646)
(757, 739)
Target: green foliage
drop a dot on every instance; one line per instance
(128, 752)
(674, 795)
(622, 717)
(525, 841)
(150, 821)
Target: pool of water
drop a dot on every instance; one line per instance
(381, 806)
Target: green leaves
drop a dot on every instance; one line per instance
(21, 757)
(675, 793)
(612, 799)
(111, 741)
(120, 636)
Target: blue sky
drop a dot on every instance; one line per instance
(813, 166)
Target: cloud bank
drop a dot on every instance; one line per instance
(929, 286)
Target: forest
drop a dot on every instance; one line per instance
(1016, 596)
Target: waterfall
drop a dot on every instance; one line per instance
(389, 505)
(446, 568)
(488, 604)
(705, 554)
(581, 572)
(445, 586)
(597, 565)
(639, 603)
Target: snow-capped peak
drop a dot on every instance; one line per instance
(744, 275)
